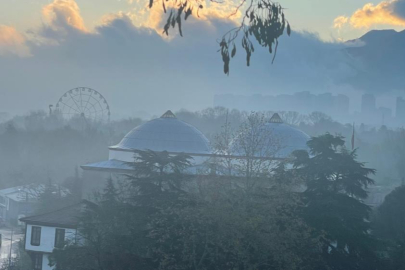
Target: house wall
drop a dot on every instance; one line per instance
(45, 263)
(47, 238)
(12, 210)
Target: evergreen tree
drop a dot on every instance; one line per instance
(50, 198)
(389, 226)
(333, 199)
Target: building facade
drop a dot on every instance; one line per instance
(18, 202)
(48, 231)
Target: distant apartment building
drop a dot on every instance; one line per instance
(368, 104)
(302, 102)
(400, 109)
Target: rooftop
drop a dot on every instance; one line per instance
(166, 133)
(67, 217)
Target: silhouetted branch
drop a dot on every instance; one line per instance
(266, 23)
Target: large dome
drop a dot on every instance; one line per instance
(166, 133)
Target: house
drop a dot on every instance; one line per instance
(18, 202)
(45, 232)
(21, 201)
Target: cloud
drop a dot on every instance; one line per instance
(63, 14)
(390, 12)
(136, 69)
(340, 21)
(12, 42)
(155, 17)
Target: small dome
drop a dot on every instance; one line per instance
(290, 138)
(283, 140)
(166, 133)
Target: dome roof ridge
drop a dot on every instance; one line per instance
(168, 114)
(276, 118)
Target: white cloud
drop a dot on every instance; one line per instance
(390, 12)
(12, 42)
(62, 14)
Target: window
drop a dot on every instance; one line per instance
(35, 236)
(59, 238)
(37, 261)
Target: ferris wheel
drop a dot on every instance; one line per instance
(85, 103)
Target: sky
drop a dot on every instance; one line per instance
(116, 47)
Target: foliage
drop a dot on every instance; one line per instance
(263, 20)
(336, 184)
(266, 23)
(391, 217)
(388, 226)
(227, 228)
(50, 198)
(174, 221)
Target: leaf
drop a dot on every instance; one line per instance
(173, 22)
(178, 20)
(167, 25)
(275, 52)
(288, 29)
(188, 13)
(226, 68)
(233, 51)
(252, 16)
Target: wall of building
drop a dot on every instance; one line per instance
(45, 263)
(47, 243)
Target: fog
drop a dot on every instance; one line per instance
(123, 146)
(133, 67)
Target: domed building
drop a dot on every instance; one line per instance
(273, 140)
(170, 134)
(289, 137)
(166, 133)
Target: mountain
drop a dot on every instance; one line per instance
(379, 59)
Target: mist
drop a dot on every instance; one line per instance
(202, 135)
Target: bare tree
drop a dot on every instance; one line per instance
(251, 152)
(292, 118)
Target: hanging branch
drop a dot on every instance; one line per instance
(263, 20)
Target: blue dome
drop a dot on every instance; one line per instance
(166, 133)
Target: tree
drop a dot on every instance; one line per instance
(223, 227)
(107, 236)
(335, 189)
(262, 20)
(189, 223)
(292, 118)
(257, 146)
(389, 226)
(50, 198)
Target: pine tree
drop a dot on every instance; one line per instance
(50, 198)
(336, 184)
